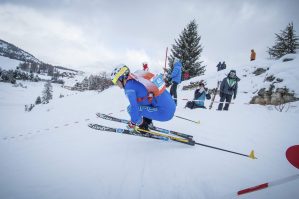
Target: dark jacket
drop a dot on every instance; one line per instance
(219, 66)
(229, 86)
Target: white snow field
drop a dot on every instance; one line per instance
(51, 153)
(8, 64)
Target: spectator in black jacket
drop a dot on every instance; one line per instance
(219, 66)
(228, 90)
(223, 66)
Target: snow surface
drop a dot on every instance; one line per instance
(8, 64)
(68, 81)
(51, 153)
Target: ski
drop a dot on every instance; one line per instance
(154, 128)
(173, 138)
(163, 137)
(213, 99)
(148, 134)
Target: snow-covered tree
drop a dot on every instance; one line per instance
(38, 100)
(24, 66)
(188, 49)
(85, 84)
(47, 92)
(93, 82)
(286, 43)
(50, 69)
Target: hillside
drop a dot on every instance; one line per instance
(17, 54)
(50, 152)
(14, 52)
(8, 64)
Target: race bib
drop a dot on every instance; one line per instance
(158, 81)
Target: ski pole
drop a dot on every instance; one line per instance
(165, 62)
(197, 122)
(251, 155)
(185, 99)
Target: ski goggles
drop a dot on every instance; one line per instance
(119, 75)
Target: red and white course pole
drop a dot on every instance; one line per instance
(268, 184)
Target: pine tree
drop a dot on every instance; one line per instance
(286, 43)
(47, 92)
(188, 49)
(86, 83)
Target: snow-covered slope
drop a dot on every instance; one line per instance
(51, 153)
(70, 80)
(10, 50)
(8, 64)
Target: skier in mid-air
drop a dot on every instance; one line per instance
(147, 94)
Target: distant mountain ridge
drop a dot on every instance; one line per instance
(13, 52)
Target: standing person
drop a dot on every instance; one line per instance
(252, 55)
(219, 66)
(147, 94)
(175, 77)
(200, 95)
(223, 66)
(145, 66)
(228, 90)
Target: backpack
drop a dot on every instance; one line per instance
(154, 84)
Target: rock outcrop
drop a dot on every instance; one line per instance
(271, 97)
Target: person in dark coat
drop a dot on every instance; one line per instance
(200, 95)
(228, 90)
(223, 66)
(219, 66)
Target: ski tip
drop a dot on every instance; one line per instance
(251, 155)
(198, 122)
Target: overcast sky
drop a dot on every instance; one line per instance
(96, 35)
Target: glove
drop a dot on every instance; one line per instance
(169, 79)
(132, 126)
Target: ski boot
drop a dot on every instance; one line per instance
(146, 125)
